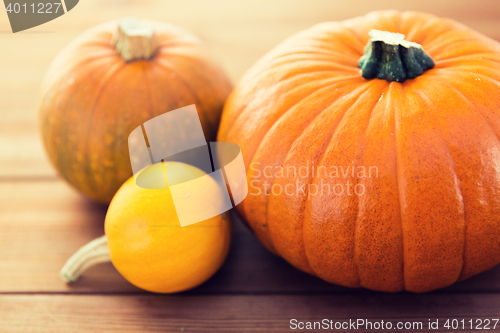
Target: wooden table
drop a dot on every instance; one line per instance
(43, 221)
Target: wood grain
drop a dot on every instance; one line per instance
(247, 313)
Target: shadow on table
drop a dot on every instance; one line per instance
(252, 269)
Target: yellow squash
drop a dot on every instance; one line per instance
(146, 243)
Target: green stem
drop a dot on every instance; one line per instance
(388, 56)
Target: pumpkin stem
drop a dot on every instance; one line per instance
(134, 39)
(388, 56)
(88, 255)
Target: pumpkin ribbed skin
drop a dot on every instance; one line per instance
(92, 100)
(431, 214)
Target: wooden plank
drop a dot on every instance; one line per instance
(21, 154)
(43, 223)
(244, 313)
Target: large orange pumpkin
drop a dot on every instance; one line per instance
(387, 177)
(109, 81)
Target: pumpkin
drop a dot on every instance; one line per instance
(372, 151)
(147, 245)
(112, 79)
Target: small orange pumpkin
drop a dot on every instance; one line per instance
(109, 81)
(411, 140)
